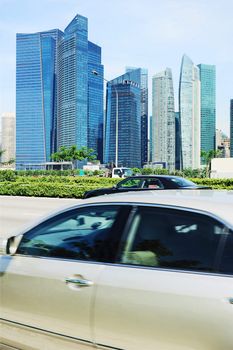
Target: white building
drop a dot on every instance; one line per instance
(8, 137)
(190, 115)
(163, 119)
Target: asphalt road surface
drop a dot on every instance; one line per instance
(16, 213)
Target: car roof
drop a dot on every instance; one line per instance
(155, 176)
(217, 202)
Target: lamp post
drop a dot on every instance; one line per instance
(117, 117)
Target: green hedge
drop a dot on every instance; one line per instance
(13, 184)
(52, 186)
(42, 190)
(215, 183)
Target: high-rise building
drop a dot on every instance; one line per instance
(55, 93)
(231, 128)
(189, 109)
(150, 139)
(140, 77)
(208, 106)
(163, 119)
(95, 100)
(35, 96)
(8, 137)
(123, 139)
(178, 141)
(73, 84)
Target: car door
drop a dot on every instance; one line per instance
(49, 284)
(166, 292)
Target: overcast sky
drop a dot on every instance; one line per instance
(152, 34)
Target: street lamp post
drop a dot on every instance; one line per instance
(117, 117)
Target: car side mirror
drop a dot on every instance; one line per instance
(9, 246)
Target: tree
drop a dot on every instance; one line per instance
(73, 154)
(207, 156)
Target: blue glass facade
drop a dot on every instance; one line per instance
(95, 100)
(128, 95)
(58, 101)
(208, 106)
(139, 76)
(73, 84)
(35, 96)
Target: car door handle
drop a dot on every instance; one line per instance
(81, 282)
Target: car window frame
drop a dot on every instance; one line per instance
(228, 228)
(116, 230)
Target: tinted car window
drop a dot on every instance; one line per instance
(130, 183)
(226, 266)
(176, 239)
(83, 234)
(152, 183)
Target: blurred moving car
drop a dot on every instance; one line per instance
(146, 182)
(151, 270)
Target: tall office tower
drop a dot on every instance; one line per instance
(150, 139)
(208, 106)
(36, 88)
(189, 108)
(177, 141)
(8, 137)
(73, 84)
(95, 100)
(56, 97)
(163, 119)
(124, 105)
(139, 76)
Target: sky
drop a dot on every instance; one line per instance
(151, 34)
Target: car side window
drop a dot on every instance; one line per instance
(130, 183)
(82, 234)
(153, 184)
(172, 239)
(226, 266)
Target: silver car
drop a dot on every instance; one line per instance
(149, 270)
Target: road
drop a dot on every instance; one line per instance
(16, 213)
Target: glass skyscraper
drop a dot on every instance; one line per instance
(163, 119)
(123, 99)
(178, 140)
(189, 109)
(36, 89)
(56, 97)
(208, 106)
(231, 128)
(95, 100)
(139, 76)
(73, 84)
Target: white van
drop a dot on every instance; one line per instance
(121, 172)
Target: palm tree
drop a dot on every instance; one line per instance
(207, 156)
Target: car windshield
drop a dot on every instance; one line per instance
(181, 182)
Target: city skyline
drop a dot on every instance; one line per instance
(150, 42)
(58, 101)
